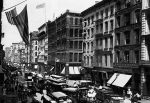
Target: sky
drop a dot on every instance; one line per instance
(36, 17)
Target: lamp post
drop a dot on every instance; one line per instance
(67, 70)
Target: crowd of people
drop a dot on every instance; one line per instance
(39, 90)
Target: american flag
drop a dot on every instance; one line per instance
(10, 15)
(21, 22)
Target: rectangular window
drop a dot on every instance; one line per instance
(106, 43)
(105, 60)
(101, 14)
(111, 25)
(35, 53)
(97, 15)
(75, 57)
(36, 48)
(137, 34)
(91, 61)
(118, 38)
(92, 19)
(36, 60)
(117, 57)
(91, 46)
(71, 32)
(85, 23)
(76, 33)
(111, 42)
(106, 26)
(71, 21)
(92, 32)
(111, 10)
(89, 21)
(80, 57)
(127, 37)
(111, 60)
(88, 47)
(126, 56)
(80, 44)
(80, 21)
(76, 21)
(136, 56)
(71, 57)
(97, 28)
(88, 32)
(118, 21)
(71, 44)
(76, 45)
(101, 43)
(80, 33)
(137, 14)
(106, 12)
(101, 28)
(36, 42)
(127, 19)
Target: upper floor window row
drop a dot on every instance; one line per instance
(75, 21)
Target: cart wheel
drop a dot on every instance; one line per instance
(106, 101)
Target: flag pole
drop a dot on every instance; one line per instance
(14, 5)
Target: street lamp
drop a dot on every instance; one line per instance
(67, 70)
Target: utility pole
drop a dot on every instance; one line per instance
(2, 53)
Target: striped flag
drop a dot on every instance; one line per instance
(21, 22)
(10, 14)
(40, 6)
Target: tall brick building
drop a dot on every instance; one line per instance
(65, 41)
(98, 33)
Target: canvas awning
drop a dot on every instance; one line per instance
(112, 79)
(72, 70)
(40, 75)
(122, 80)
(59, 94)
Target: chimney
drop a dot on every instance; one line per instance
(96, 2)
(67, 10)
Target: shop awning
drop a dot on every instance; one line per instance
(112, 79)
(72, 70)
(76, 70)
(122, 80)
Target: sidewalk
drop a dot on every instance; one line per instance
(144, 101)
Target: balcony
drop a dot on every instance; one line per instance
(128, 47)
(111, 48)
(125, 65)
(105, 49)
(99, 21)
(107, 35)
(128, 27)
(102, 52)
(99, 35)
(98, 51)
(128, 9)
